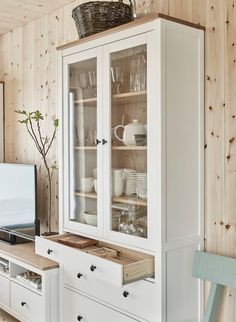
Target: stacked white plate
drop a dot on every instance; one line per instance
(130, 182)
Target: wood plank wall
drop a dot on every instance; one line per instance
(28, 66)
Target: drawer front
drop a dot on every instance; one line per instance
(101, 268)
(48, 249)
(26, 303)
(141, 299)
(4, 291)
(80, 308)
(95, 266)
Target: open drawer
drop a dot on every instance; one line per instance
(121, 266)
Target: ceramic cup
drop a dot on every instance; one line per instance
(142, 191)
(118, 188)
(118, 174)
(86, 184)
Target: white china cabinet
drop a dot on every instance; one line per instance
(131, 169)
(1, 122)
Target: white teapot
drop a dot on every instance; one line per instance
(130, 130)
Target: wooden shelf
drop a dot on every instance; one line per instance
(88, 102)
(128, 148)
(91, 195)
(130, 98)
(132, 201)
(115, 148)
(81, 148)
(119, 99)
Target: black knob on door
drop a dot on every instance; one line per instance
(92, 268)
(23, 303)
(98, 141)
(79, 275)
(49, 251)
(104, 141)
(79, 318)
(125, 294)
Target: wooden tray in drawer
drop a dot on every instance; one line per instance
(124, 267)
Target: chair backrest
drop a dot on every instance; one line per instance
(214, 268)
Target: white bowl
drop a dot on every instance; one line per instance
(95, 185)
(90, 219)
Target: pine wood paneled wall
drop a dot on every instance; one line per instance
(28, 67)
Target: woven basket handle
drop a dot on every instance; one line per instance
(134, 7)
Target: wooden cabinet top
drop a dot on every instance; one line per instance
(137, 22)
(26, 254)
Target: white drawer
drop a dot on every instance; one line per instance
(4, 291)
(119, 272)
(48, 248)
(80, 308)
(140, 300)
(26, 303)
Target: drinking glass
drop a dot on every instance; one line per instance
(117, 75)
(91, 138)
(83, 81)
(93, 81)
(138, 72)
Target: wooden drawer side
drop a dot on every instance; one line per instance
(138, 270)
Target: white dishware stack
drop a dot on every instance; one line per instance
(141, 185)
(118, 182)
(130, 182)
(86, 184)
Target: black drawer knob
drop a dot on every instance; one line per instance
(92, 268)
(79, 318)
(79, 275)
(98, 141)
(125, 294)
(49, 251)
(23, 303)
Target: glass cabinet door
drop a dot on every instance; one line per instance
(128, 79)
(82, 142)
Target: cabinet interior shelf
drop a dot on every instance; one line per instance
(132, 201)
(119, 99)
(115, 148)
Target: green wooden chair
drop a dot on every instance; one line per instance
(221, 272)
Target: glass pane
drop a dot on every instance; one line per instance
(129, 141)
(83, 148)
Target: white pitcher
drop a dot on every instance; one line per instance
(130, 130)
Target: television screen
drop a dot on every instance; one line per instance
(18, 200)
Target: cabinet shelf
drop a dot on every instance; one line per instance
(130, 98)
(25, 285)
(87, 102)
(132, 201)
(115, 148)
(85, 148)
(119, 99)
(129, 148)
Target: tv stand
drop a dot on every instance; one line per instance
(20, 293)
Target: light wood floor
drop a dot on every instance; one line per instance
(6, 318)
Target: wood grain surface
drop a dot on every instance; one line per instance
(28, 66)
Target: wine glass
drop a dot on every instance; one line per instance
(84, 82)
(93, 81)
(117, 75)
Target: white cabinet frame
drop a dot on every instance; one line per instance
(1, 122)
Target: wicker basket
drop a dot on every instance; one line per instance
(96, 16)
